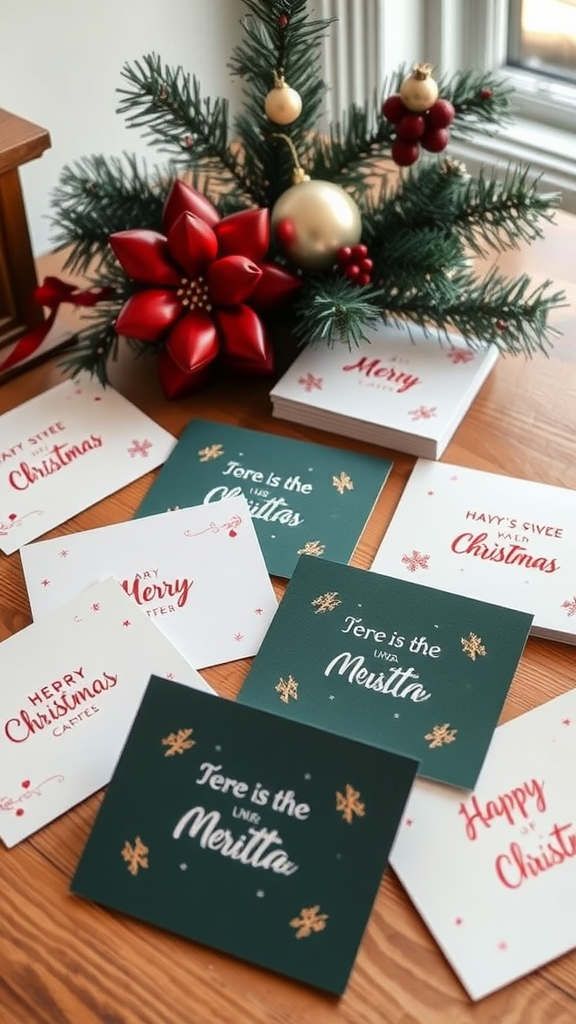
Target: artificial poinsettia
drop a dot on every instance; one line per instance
(202, 285)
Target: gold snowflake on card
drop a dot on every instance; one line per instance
(472, 646)
(350, 804)
(287, 688)
(441, 734)
(312, 547)
(136, 856)
(326, 602)
(212, 451)
(309, 920)
(178, 742)
(342, 483)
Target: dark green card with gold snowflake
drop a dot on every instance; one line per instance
(247, 832)
(304, 498)
(412, 668)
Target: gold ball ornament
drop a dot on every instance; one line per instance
(419, 90)
(311, 221)
(283, 105)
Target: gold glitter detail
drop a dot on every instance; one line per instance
(212, 451)
(326, 602)
(178, 742)
(310, 920)
(440, 735)
(473, 646)
(312, 547)
(135, 856)
(342, 483)
(350, 804)
(287, 688)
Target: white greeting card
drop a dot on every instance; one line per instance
(67, 449)
(198, 572)
(492, 537)
(493, 872)
(399, 388)
(70, 688)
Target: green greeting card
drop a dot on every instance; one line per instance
(303, 498)
(247, 832)
(410, 668)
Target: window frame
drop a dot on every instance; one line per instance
(474, 33)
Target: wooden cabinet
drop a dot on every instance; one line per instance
(20, 141)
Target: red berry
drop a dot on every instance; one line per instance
(404, 153)
(410, 127)
(343, 255)
(283, 20)
(363, 279)
(359, 252)
(352, 272)
(366, 266)
(393, 108)
(435, 140)
(440, 115)
(486, 94)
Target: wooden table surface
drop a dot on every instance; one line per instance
(65, 961)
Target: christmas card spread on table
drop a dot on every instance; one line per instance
(409, 668)
(400, 389)
(303, 498)
(483, 535)
(67, 449)
(197, 572)
(269, 841)
(70, 688)
(493, 873)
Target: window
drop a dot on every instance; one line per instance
(538, 60)
(374, 36)
(542, 38)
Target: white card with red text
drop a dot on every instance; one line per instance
(70, 686)
(67, 449)
(487, 536)
(198, 572)
(400, 388)
(493, 872)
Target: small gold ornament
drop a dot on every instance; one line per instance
(321, 217)
(282, 105)
(419, 90)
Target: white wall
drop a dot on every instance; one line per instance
(60, 64)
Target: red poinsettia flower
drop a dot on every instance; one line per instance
(203, 284)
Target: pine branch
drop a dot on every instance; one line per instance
(495, 310)
(483, 213)
(335, 311)
(167, 103)
(482, 100)
(95, 197)
(501, 213)
(501, 311)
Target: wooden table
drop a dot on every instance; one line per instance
(64, 961)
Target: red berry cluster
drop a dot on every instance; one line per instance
(354, 263)
(428, 129)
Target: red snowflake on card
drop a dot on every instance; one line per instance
(570, 607)
(415, 561)
(460, 355)
(423, 412)
(139, 448)
(311, 383)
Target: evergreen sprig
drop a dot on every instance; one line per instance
(424, 227)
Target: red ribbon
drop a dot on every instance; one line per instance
(51, 293)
